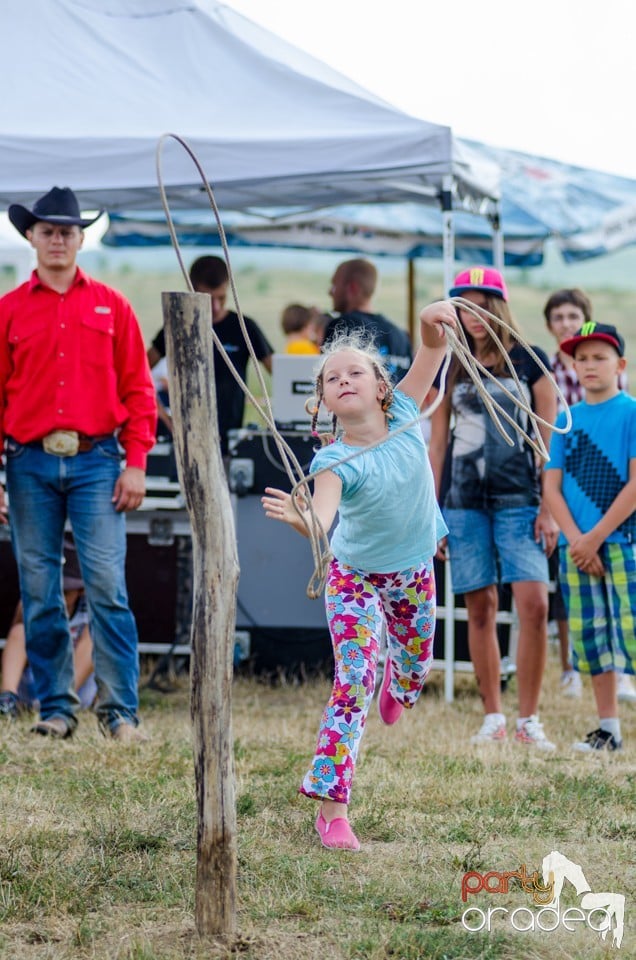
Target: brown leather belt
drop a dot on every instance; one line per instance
(85, 443)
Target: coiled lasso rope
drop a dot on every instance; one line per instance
(458, 344)
(317, 536)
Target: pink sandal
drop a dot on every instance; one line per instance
(389, 709)
(336, 834)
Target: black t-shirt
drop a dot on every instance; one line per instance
(481, 470)
(230, 398)
(393, 344)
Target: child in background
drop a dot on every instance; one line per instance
(381, 572)
(500, 531)
(301, 328)
(565, 312)
(17, 690)
(590, 484)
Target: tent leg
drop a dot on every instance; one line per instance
(448, 233)
(497, 241)
(411, 305)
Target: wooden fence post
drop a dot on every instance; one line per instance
(187, 323)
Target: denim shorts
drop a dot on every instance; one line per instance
(494, 546)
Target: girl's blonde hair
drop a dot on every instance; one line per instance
(363, 345)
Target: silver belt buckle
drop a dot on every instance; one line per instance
(61, 443)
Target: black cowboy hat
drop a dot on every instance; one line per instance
(59, 206)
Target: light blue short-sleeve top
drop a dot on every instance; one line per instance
(388, 518)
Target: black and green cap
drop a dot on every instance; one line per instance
(594, 331)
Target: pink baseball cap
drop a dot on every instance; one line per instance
(484, 279)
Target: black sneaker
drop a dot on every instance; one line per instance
(9, 705)
(598, 740)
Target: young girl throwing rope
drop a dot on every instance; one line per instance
(381, 571)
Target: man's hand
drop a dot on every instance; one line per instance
(130, 489)
(3, 507)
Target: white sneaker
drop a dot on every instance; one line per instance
(492, 730)
(532, 734)
(625, 688)
(571, 685)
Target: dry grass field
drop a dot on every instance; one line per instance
(98, 852)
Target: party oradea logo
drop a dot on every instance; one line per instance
(599, 912)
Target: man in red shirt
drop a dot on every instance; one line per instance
(74, 384)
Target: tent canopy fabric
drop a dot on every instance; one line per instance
(268, 123)
(408, 230)
(587, 213)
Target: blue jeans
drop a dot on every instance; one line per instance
(44, 491)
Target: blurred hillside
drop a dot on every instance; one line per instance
(267, 280)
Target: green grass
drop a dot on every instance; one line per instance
(98, 848)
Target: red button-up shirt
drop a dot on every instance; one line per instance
(74, 361)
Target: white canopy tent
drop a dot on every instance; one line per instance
(90, 86)
(269, 124)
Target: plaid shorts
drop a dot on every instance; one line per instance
(602, 610)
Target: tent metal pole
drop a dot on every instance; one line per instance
(411, 306)
(448, 232)
(497, 240)
(448, 253)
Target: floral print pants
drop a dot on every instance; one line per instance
(359, 606)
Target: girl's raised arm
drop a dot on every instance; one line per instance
(428, 359)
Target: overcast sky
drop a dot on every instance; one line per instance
(550, 77)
